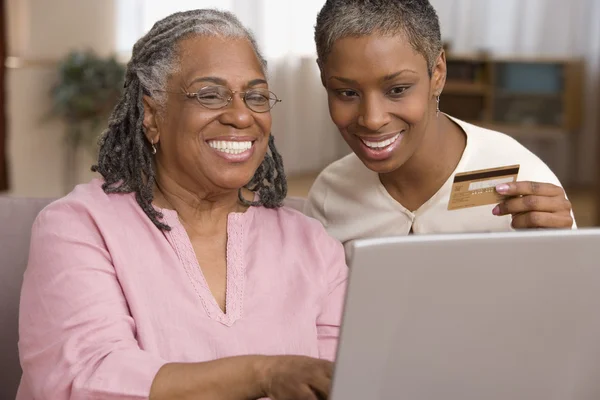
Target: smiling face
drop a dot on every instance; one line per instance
(382, 98)
(205, 149)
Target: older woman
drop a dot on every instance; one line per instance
(384, 69)
(178, 275)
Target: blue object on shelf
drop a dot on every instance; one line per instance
(530, 78)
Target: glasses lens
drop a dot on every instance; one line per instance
(260, 100)
(214, 97)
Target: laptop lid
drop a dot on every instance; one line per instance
(492, 316)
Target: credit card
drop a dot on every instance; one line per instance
(478, 188)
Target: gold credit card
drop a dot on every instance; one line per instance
(478, 188)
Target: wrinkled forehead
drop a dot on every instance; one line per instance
(232, 59)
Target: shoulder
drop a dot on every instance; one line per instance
(298, 237)
(342, 196)
(344, 172)
(490, 149)
(87, 207)
(339, 182)
(491, 141)
(292, 228)
(83, 199)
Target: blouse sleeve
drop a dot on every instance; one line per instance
(336, 274)
(77, 337)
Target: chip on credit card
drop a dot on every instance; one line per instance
(478, 188)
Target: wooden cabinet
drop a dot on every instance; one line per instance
(515, 92)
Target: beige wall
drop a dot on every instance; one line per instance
(40, 33)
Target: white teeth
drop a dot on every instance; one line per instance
(382, 144)
(230, 146)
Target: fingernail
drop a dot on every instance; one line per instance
(496, 210)
(503, 188)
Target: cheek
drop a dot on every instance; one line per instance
(264, 122)
(186, 126)
(343, 114)
(197, 121)
(413, 109)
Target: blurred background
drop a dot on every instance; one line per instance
(529, 68)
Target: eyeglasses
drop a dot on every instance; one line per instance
(259, 100)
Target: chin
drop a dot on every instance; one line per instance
(233, 181)
(381, 167)
(385, 166)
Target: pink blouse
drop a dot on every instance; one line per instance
(108, 298)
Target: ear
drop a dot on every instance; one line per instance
(438, 77)
(150, 119)
(320, 64)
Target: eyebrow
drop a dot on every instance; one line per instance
(384, 79)
(223, 82)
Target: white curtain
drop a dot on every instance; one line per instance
(284, 29)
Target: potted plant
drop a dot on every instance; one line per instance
(87, 90)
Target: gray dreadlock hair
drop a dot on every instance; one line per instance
(416, 19)
(125, 157)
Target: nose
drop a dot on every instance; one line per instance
(237, 114)
(373, 115)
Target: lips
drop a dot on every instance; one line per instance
(230, 146)
(379, 143)
(379, 148)
(233, 149)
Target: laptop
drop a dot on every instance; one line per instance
(495, 316)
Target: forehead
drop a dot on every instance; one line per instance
(231, 59)
(373, 55)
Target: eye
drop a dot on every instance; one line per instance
(257, 98)
(397, 91)
(209, 96)
(346, 93)
(212, 95)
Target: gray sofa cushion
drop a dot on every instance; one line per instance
(16, 218)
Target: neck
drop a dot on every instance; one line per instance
(440, 151)
(198, 210)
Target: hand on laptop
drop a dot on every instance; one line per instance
(296, 377)
(535, 205)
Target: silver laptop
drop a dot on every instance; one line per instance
(497, 316)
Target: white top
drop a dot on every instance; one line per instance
(351, 202)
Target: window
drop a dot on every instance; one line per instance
(282, 27)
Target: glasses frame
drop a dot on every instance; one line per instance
(229, 100)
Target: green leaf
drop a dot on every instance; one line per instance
(88, 87)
